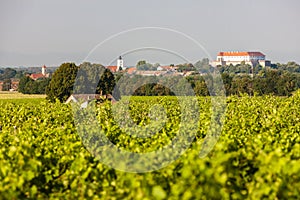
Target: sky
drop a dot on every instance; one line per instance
(34, 32)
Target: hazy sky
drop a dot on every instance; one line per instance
(33, 33)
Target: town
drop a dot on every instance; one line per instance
(10, 78)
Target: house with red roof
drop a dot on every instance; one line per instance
(36, 76)
(113, 69)
(131, 70)
(40, 75)
(118, 67)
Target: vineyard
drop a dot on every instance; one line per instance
(257, 156)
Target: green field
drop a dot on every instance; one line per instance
(256, 157)
(17, 95)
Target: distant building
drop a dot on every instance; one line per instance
(113, 69)
(84, 99)
(118, 67)
(14, 85)
(9, 85)
(237, 57)
(131, 70)
(44, 74)
(151, 73)
(2, 85)
(44, 70)
(167, 68)
(120, 64)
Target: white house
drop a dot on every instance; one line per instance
(84, 99)
(237, 57)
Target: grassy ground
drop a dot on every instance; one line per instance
(17, 95)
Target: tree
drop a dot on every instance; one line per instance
(141, 62)
(22, 84)
(227, 79)
(41, 85)
(8, 73)
(156, 65)
(94, 79)
(107, 83)
(29, 86)
(203, 66)
(143, 65)
(201, 88)
(62, 82)
(185, 67)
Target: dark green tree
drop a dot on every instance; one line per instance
(186, 67)
(29, 86)
(94, 79)
(143, 65)
(227, 79)
(22, 84)
(62, 82)
(107, 83)
(141, 62)
(201, 88)
(41, 85)
(241, 85)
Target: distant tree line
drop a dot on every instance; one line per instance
(265, 82)
(138, 85)
(291, 67)
(26, 84)
(279, 79)
(30, 86)
(144, 66)
(8, 73)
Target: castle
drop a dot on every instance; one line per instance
(237, 57)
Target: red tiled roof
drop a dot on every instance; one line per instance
(131, 70)
(36, 76)
(166, 67)
(240, 54)
(112, 68)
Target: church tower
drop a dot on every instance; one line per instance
(44, 70)
(120, 65)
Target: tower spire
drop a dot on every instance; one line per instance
(120, 64)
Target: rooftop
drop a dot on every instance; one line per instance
(240, 53)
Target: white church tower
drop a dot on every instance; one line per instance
(44, 70)
(120, 64)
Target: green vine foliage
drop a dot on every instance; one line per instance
(256, 157)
